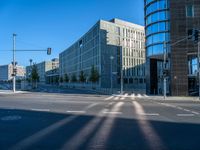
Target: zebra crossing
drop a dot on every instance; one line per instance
(126, 95)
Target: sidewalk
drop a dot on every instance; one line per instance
(174, 98)
(11, 92)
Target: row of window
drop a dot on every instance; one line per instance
(159, 5)
(155, 50)
(158, 27)
(136, 71)
(149, 1)
(130, 62)
(158, 38)
(159, 16)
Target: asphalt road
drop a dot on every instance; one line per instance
(50, 121)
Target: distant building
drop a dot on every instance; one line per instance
(6, 72)
(42, 68)
(52, 76)
(166, 22)
(95, 48)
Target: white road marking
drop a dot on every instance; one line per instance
(185, 115)
(149, 114)
(108, 98)
(133, 95)
(112, 112)
(180, 108)
(116, 98)
(92, 105)
(122, 98)
(35, 109)
(75, 111)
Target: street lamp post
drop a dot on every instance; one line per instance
(14, 64)
(111, 74)
(30, 60)
(121, 71)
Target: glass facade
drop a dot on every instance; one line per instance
(157, 25)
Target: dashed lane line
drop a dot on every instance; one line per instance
(76, 111)
(149, 114)
(35, 109)
(185, 115)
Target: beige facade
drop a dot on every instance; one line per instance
(105, 39)
(42, 68)
(6, 72)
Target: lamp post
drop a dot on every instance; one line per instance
(14, 64)
(122, 78)
(111, 73)
(30, 60)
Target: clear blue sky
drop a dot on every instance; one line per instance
(56, 23)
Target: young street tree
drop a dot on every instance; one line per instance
(61, 79)
(66, 78)
(34, 76)
(82, 77)
(73, 78)
(94, 75)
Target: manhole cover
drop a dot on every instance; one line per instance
(11, 118)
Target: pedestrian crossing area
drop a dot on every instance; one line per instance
(125, 96)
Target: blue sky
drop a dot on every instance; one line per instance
(55, 23)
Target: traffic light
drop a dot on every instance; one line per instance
(14, 72)
(48, 51)
(190, 34)
(193, 34)
(166, 72)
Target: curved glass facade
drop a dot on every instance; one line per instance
(157, 25)
(157, 30)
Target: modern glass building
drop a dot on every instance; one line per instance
(157, 23)
(166, 22)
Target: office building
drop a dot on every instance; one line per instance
(42, 68)
(166, 23)
(6, 72)
(104, 46)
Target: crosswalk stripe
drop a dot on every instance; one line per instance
(108, 98)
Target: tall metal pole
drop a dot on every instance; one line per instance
(122, 70)
(31, 71)
(164, 76)
(199, 66)
(14, 65)
(111, 73)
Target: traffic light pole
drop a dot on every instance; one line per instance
(14, 66)
(164, 76)
(199, 66)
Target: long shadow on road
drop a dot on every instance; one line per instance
(21, 129)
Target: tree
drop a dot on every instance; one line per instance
(82, 77)
(94, 75)
(61, 79)
(73, 78)
(66, 78)
(34, 75)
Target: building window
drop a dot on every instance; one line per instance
(189, 11)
